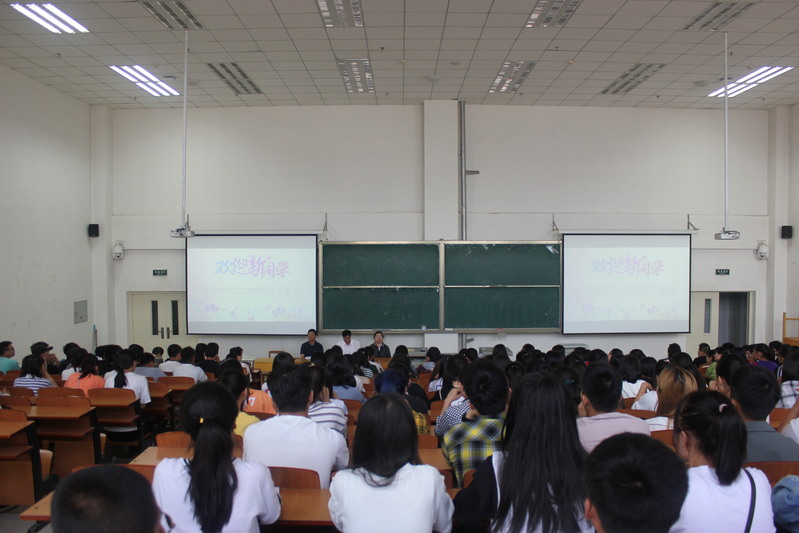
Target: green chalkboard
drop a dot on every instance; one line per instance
(403, 308)
(346, 265)
(502, 307)
(502, 264)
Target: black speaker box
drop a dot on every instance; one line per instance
(94, 230)
(786, 232)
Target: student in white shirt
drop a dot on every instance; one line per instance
(387, 489)
(173, 352)
(187, 368)
(710, 437)
(123, 377)
(347, 344)
(213, 492)
(674, 383)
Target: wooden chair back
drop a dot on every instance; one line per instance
(19, 402)
(776, 417)
(173, 439)
(98, 394)
(21, 391)
(13, 374)
(67, 401)
(353, 407)
(160, 407)
(60, 392)
(638, 413)
(666, 436)
(468, 477)
(13, 415)
(628, 402)
(294, 478)
(178, 385)
(211, 376)
(428, 441)
(776, 470)
(126, 413)
(435, 408)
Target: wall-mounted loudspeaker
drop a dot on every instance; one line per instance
(94, 230)
(786, 232)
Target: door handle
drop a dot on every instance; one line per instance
(168, 333)
(162, 333)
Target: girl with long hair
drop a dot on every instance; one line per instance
(711, 438)
(535, 482)
(213, 492)
(674, 383)
(87, 377)
(400, 494)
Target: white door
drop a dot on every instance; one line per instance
(159, 319)
(704, 321)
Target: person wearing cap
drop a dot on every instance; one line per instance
(7, 353)
(45, 351)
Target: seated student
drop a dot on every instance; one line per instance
(87, 377)
(599, 401)
(75, 355)
(703, 356)
(535, 482)
(236, 384)
(726, 367)
(392, 381)
(480, 434)
(630, 370)
(635, 484)
(237, 353)
(307, 349)
(214, 492)
(34, 374)
(208, 359)
(105, 499)
(789, 389)
(360, 366)
(673, 384)
(292, 439)
(431, 357)
(456, 405)
(173, 353)
(755, 392)
(158, 352)
(683, 360)
(416, 394)
(711, 438)
(186, 369)
(345, 386)
(146, 367)
(280, 361)
(123, 377)
(257, 401)
(764, 357)
(401, 355)
(106, 356)
(330, 412)
(713, 358)
(45, 351)
(387, 489)
(7, 353)
(347, 344)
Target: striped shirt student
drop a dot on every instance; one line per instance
(34, 374)
(329, 414)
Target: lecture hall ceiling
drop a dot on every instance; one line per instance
(418, 50)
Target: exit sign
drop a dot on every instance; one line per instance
(163, 272)
(722, 271)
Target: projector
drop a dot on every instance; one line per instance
(727, 235)
(183, 232)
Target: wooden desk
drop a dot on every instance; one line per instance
(154, 454)
(9, 429)
(21, 480)
(73, 432)
(434, 457)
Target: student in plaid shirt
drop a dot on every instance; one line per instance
(467, 444)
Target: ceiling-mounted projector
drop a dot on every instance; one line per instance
(183, 232)
(728, 235)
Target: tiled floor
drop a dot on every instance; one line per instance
(10, 522)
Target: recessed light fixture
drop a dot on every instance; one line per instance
(235, 78)
(144, 79)
(511, 75)
(341, 13)
(552, 13)
(750, 81)
(51, 18)
(173, 14)
(632, 78)
(357, 75)
(716, 16)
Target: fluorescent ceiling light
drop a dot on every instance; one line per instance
(145, 80)
(718, 15)
(552, 13)
(173, 14)
(357, 75)
(632, 78)
(511, 75)
(51, 18)
(750, 81)
(235, 78)
(341, 13)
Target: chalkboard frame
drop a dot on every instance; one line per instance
(442, 244)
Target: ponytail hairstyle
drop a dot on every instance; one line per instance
(122, 361)
(720, 433)
(208, 414)
(88, 365)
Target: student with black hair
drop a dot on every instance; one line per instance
(683, 360)
(789, 388)
(345, 386)
(187, 369)
(34, 374)
(7, 353)
(703, 356)
(431, 357)
(208, 359)
(755, 392)
(146, 367)
(71, 364)
(387, 489)
(87, 377)
(291, 438)
(467, 444)
(455, 405)
(173, 353)
(280, 361)
(635, 484)
(726, 367)
(236, 384)
(105, 499)
(392, 381)
(630, 370)
(325, 410)
(764, 357)
(214, 492)
(711, 438)
(123, 377)
(535, 482)
(599, 401)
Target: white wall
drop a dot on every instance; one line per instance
(44, 213)
(363, 170)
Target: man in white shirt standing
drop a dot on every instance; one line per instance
(348, 346)
(186, 367)
(291, 439)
